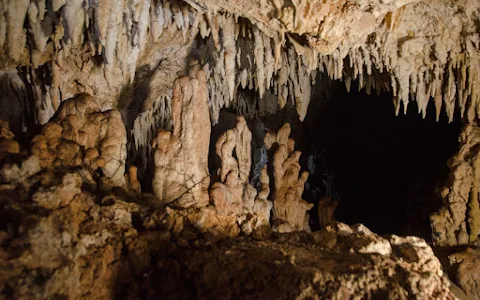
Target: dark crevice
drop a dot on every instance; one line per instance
(387, 169)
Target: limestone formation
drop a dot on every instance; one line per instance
(375, 36)
(326, 265)
(272, 48)
(181, 155)
(115, 84)
(234, 195)
(81, 135)
(68, 243)
(466, 273)
(289, 209)
(458, 221)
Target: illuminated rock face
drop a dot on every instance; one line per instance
(80, 135)
(289, 209)
(458, 221)
(181, 157)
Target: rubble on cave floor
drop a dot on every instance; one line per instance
(87, 246)
(62, 236)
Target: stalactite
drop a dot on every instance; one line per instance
(229, 46)
(116, 32)
(259, 62)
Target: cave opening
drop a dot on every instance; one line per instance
(375, 168)
(385, 171)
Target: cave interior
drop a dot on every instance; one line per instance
(239, 149)
(383, 170)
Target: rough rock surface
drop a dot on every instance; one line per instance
(458, 221)
(61, 242)
(289, 209)
(73, 244)
(181, 156)
(58, 239)
(233, 195)
(465, 271)
(128, 54)
(335, 263)
(80, 134)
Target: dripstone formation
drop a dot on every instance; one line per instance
(115, 184)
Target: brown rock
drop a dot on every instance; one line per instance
(81, 125)
(466, 271)
(461, 208)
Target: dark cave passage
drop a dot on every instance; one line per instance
(385, 170)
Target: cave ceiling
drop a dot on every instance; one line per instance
(419, 50)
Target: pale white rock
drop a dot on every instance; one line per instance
(234, 196)
(74, 17)
(289, 209)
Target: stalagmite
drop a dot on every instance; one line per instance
(181, 166)
(289, 209)
(234, 195)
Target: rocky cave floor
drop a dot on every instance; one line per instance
(63, 235)
(123, 247)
